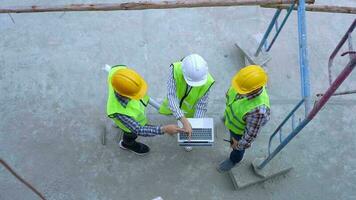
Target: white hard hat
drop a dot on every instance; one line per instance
(195, 70)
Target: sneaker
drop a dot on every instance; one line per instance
(225, 166)
(137, 147)
(188, 149)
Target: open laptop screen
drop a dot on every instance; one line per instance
(202, 135)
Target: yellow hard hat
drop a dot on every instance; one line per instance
(249, 79)
(129, 83)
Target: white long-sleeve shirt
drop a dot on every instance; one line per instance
(200, 108)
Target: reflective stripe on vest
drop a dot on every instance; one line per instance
(134, 108)
(236, 109)
(188, 98)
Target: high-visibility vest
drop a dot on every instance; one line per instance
(187, 98)
(136, 109)
(236, 109)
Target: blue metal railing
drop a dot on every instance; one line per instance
(318, 105)
(274, 22)
(305, 86)
(279, 128)
(303, 56)
(269, 29)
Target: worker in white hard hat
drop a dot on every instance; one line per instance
(188, 86)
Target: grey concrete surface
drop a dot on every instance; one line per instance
(53, 96)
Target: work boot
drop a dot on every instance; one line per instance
(225, 166)
(136, 147)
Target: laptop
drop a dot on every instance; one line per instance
(202, 134)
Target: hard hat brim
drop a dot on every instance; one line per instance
(141, 93)
(236, 87)
(239, 90)
(197, 83)
(249, 72)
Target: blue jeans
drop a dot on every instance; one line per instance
(236, 155)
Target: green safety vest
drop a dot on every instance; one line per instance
(236, 109)
(187, 99)
(134, 108)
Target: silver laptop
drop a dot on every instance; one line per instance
(202, 135)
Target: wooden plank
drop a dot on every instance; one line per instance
(141, 5)
(318, 8)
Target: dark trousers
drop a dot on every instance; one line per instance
(236, 155)
(128, 138)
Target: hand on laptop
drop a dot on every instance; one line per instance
(172, 129)
(187, 127)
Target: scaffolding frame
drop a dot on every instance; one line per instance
(304, 77)
(279, 4)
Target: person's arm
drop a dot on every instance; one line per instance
(202, 106)
(134, 126)
(172, 96)
(147, 130)
(254, 122)
(174, 104)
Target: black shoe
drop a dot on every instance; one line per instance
(137, 147)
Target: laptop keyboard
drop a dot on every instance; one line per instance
(198, 134)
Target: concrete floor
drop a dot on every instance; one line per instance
(53, 97)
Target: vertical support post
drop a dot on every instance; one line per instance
(268, 31)
(303, 56)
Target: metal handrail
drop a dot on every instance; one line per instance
(289, 11)
(282, 124)
(338, 47)
(274, 22)
(317, 107)
(269, 29)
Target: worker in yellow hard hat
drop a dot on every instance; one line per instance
(247, 110)
(126, 105)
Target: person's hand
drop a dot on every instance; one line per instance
(172, 129)
(234, 143)
(187, 127)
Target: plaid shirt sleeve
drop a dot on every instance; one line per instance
(172, 96)
(134, 126)
(202, 106)
(254, 121)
